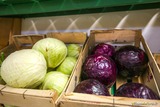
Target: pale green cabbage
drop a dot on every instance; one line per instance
(55, 81)
(53, 50)
(24, 68)
(73, 50)
(67, 65)
(5, 105)
(1, 80)
(0, 62)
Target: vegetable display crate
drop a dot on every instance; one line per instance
(116, 38)
(34, 97)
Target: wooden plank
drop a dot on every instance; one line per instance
(149, 80)
(27, 92)
(119, 36)
(16, 29)
(26, 41)
(88, 100)
(20, 97)
(157, 58)
(152, 62)
(72, 103)
(17, 26)
(28, 101)
(69, 37)
(93, 100)
(6, 24)
(138, 38)
(10, 26)
(136, 102)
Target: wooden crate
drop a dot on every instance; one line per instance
(116, 37)
(32, 97)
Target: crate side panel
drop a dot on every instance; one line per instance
(157, 58)
(74, 37)
(119, 36)
(31, 101)
(6, 24)
(71, 103)
(154, 67)
(26, 41)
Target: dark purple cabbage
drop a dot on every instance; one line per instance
(92, 86)
(136, 90)
(104, 48)
(131, 61)
(100, 67)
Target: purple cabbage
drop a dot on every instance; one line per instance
(136, 90)
(131, 61)
(92, 86)
(100, 67)
(104, 49)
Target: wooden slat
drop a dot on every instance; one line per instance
(69, 37)
(28, 101)
(120, 36)
(135, 102)
(9, 27)
(150, 81)
(72, 103)
(17, 26)
(6, 24)
(20, 97)
(27, 92)
(26, 41)
(138, 38)
(152, 62)
(157, 58)
(16, 29)
(88, 100)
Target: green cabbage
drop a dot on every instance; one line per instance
(73, 50)
(8, 105)
(67, 65)
(24, 68)
(54, 81)
(1, 80)
(53, 50)
(0, 62)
